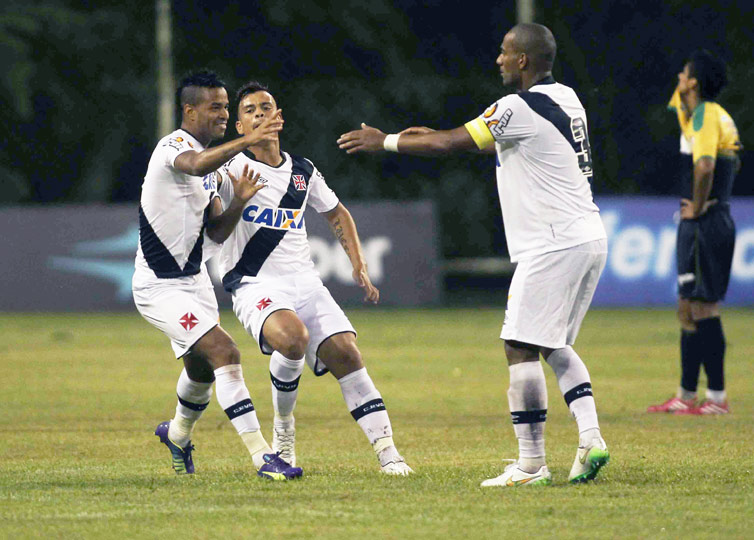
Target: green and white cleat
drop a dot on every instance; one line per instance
(514, 477)
(589, 460)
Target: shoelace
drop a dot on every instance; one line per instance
(277, 461)
(285, 440)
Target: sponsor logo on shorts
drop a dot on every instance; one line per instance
(274, 218)
(188, 321)
(686, 278)
(263, 303)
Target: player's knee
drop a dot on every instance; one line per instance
(685, 317)
(293, 343)
(350, 356)
(517, 352)
(224, 354)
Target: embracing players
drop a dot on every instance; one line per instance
(277, 293)
(171, 287)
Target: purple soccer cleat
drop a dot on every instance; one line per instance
(276, 468)
(182, 462)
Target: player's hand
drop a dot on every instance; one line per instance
(366, 139)
(687, 208)
(361, 277)
(245, 187)
(267, 130)
(416, 130)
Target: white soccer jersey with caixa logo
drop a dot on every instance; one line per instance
(172, 213)
(270, 238)
(543, 168)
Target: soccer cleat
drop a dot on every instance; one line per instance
(672, 405)
(392, 463)
(514, 477)
(284, 443)
(589, 460)
(707, 407)
(275, 468)
(182, 461)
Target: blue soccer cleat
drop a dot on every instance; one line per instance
(276, 468)
(182, 462)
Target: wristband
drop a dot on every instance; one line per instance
(391, 142)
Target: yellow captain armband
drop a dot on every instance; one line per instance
(480, 133)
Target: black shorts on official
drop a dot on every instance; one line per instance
(704, 252)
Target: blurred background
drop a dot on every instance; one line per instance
(80, 94)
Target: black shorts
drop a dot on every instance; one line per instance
(704, 252)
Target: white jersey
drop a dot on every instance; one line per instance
(270, 238)
(543, 169)
(173, 212)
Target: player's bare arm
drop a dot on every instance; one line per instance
(419, 142)
(221, 224)
(344, 228)
(704, 172)
(208, 160)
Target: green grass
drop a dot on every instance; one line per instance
(80, 396)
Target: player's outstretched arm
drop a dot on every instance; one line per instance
(344, 229)
(221, 224)
(416, 141)
(209, 159)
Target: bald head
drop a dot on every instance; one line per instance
(537, 42)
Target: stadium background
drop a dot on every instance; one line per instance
(80, 100)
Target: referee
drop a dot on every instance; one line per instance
(706, 233)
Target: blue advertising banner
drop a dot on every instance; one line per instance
(81, 258)
(641, 265)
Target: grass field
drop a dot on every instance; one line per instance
(81, 395)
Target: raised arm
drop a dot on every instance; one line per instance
(426, 143)
(344, 229)
(209, 159)
(221, 224)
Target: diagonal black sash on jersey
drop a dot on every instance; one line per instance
(263, 243)
(548, 109)
(158, 257)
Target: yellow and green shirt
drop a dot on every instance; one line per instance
(709, 131)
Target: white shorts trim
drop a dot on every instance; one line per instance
(550, 295)
(306, 296)
(184, 309)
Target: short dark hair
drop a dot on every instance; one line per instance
(250, 88)
(538, 42)
(709, 71)
(187, 91)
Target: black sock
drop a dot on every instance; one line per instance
(711, 341)
(691, 359)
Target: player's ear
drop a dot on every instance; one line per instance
(239, 127)
(188, 111)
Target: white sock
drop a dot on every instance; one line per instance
(718, 396)
(193, 398)
(284, 376)
(574, 383)
(235, 400)
(527, 398)
(366, 405)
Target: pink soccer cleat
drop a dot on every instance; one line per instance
(673, 405)
(707, 407)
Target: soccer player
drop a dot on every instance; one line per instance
(171, 287)
(278, 295)
(554, 232)
(706, 232)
